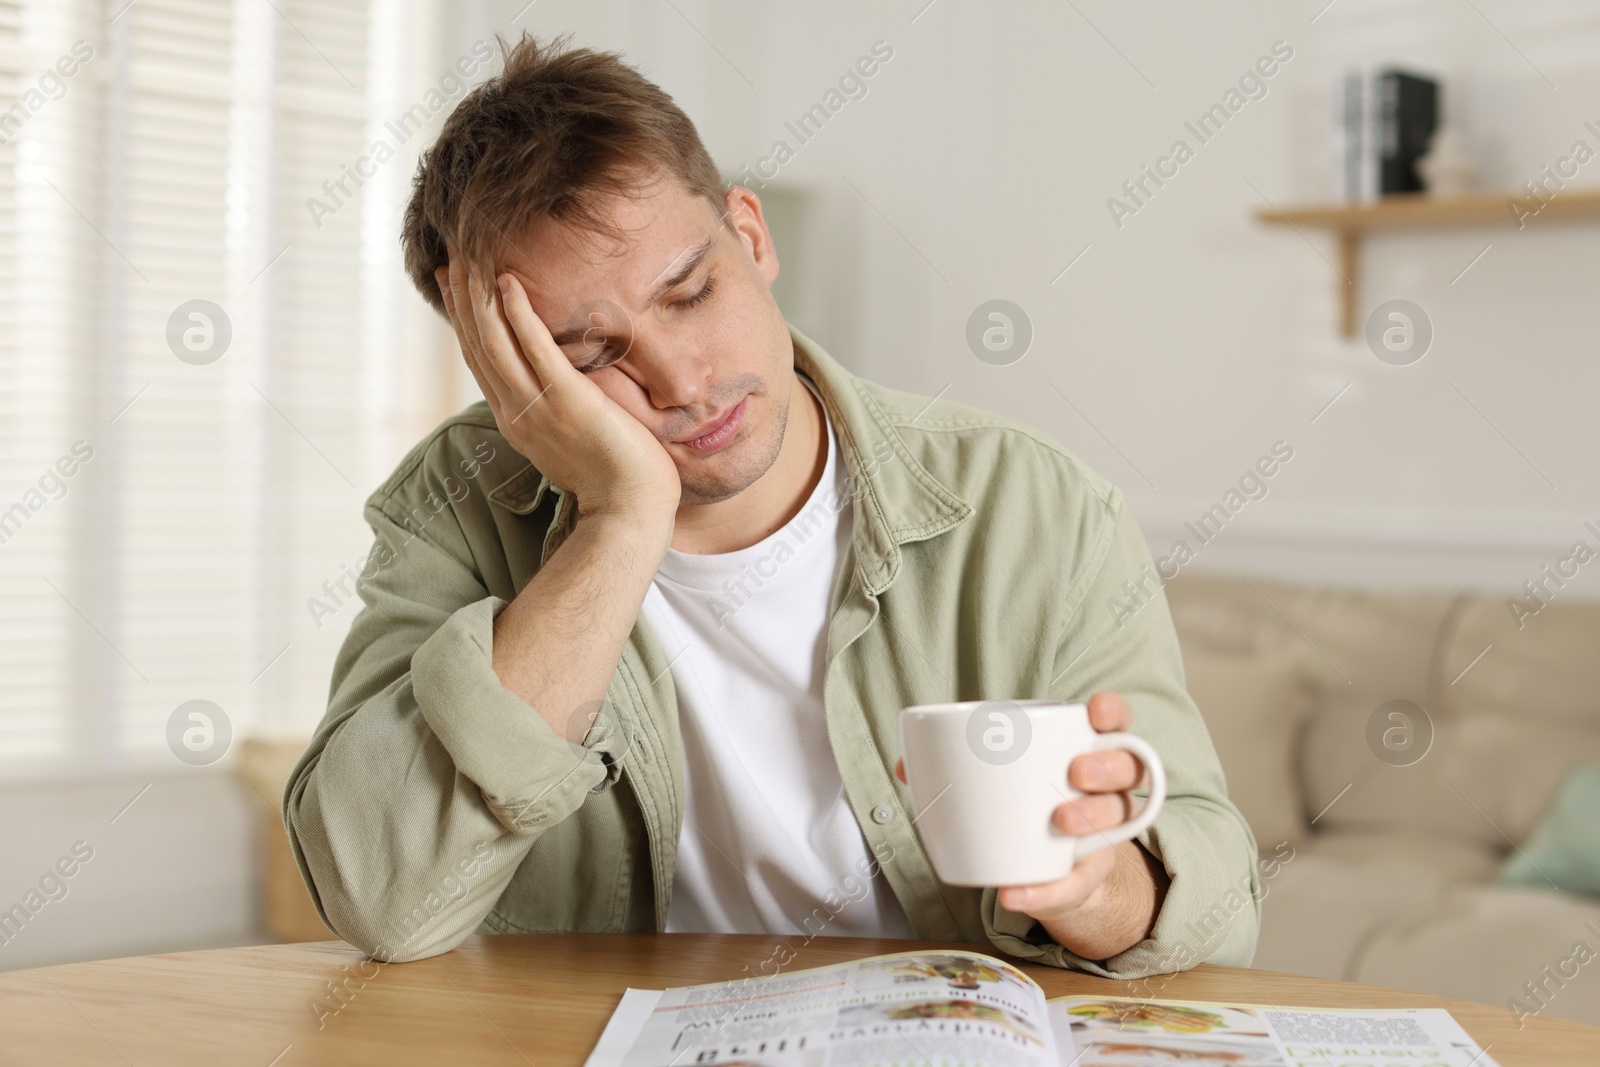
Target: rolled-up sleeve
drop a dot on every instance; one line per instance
(526, 772)
(427, 781)
(1118, 635)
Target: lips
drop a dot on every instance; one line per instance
(717, 432)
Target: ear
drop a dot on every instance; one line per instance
(743, 211)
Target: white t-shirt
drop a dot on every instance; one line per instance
(769, 844)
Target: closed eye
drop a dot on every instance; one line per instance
(605, 358)
(704, 293)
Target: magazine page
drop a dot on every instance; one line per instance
(1127, 1032)
(909, 1009)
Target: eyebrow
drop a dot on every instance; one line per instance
(688, 261)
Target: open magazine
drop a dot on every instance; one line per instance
(965, 1009)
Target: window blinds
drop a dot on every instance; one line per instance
(244, 369)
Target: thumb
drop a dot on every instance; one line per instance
(900, 769)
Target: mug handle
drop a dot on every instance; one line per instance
(1091, 843)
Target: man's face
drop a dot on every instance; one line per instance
(686, 303)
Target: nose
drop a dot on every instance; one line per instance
(675, 374)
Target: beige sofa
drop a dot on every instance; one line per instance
(1394, 856)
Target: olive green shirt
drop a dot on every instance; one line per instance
(984, 562)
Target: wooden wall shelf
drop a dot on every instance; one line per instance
(1351, 222)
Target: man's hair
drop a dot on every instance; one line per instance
(554, 134)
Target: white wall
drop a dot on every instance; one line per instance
(1191, 338)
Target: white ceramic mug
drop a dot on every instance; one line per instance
(986, 776)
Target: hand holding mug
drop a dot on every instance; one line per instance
(1031, 796)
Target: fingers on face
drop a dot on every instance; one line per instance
(504, 342)
(464, 317)
(501, 349)
(533, 336)
(476, 323)
(441, 277)
(448, 281)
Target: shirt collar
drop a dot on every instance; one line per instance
(896, 499)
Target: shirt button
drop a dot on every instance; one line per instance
(882, 813)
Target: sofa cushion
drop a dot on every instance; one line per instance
(1381, 645)
(1526, 688)
(1338, 892)
(1385, 854)
(1513, 947)
(1537, 669)
(1225, 614)
(1252, 706)
(1564, 853)
(1487, 778)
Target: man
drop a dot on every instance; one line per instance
(639, 626)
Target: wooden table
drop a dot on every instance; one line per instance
(539, 999)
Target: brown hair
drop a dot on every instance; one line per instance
(553, 134)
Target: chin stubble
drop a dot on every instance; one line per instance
(745, 475)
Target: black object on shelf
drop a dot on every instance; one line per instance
(1408, 114)
(1383, 120)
